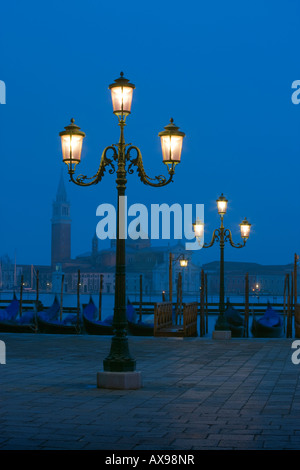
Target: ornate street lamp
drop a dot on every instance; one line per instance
(121, 158)
(183, 264)
(71, 143)
(183, 261)
(222, 235)
(245, 229)
(256, 291)
(121, 95)
(171, 144)
(222, 204)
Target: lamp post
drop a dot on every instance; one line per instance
(296, 259)
(183, 263)
(256, 290)
(222, 235)
(126, 157)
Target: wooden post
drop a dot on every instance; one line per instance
(202, 295)
(177, 300)
(180, 298)
(31, 276)
(286, 286)
(21, 294)
(78, 298)
(246, 315)
(37, 288)
(296, 258)
(37, 298)
(100, 298)
(288, 306)
(61, 295)
(206, 309)
(141, 296)
(289, 327)
(170, 277)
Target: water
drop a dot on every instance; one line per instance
(70, 300)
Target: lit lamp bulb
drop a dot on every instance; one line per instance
(171, 143)
(198, 228)
(121, 95)
(71, 143)
(245, 229)
(183, 262)
(222, 204)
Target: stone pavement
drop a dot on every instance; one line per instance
(197, 393)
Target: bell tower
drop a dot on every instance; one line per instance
(61, 226)
(95, 246)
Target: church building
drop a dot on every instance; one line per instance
(141, 259)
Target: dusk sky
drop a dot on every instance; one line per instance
(222, 70)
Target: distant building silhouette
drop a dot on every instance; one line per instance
(264, 280)
(142, 258)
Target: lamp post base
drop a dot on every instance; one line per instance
(119, 380)
(119, 358)
(222, 330)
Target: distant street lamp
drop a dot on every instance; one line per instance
(256, 291)
(222, 235)
(183, 263)
(119, 358)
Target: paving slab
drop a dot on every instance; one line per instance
(196, 394)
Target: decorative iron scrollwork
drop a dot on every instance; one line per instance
(104, 162)
(138, 163)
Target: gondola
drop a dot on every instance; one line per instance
(12, 322)
(137, 327)
(93, 326)
(141, 328)
(297, 320)
(235, 321)
(270, 325)
(48, 321)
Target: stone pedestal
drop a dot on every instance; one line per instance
(119, 380)
(221, 334)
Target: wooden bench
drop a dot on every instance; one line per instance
(190, 319)
(164, 324)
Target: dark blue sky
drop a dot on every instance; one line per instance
(222, 70)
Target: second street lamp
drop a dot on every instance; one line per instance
(125, 157)
(183, 264)
(183, 261)
(222, 235)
